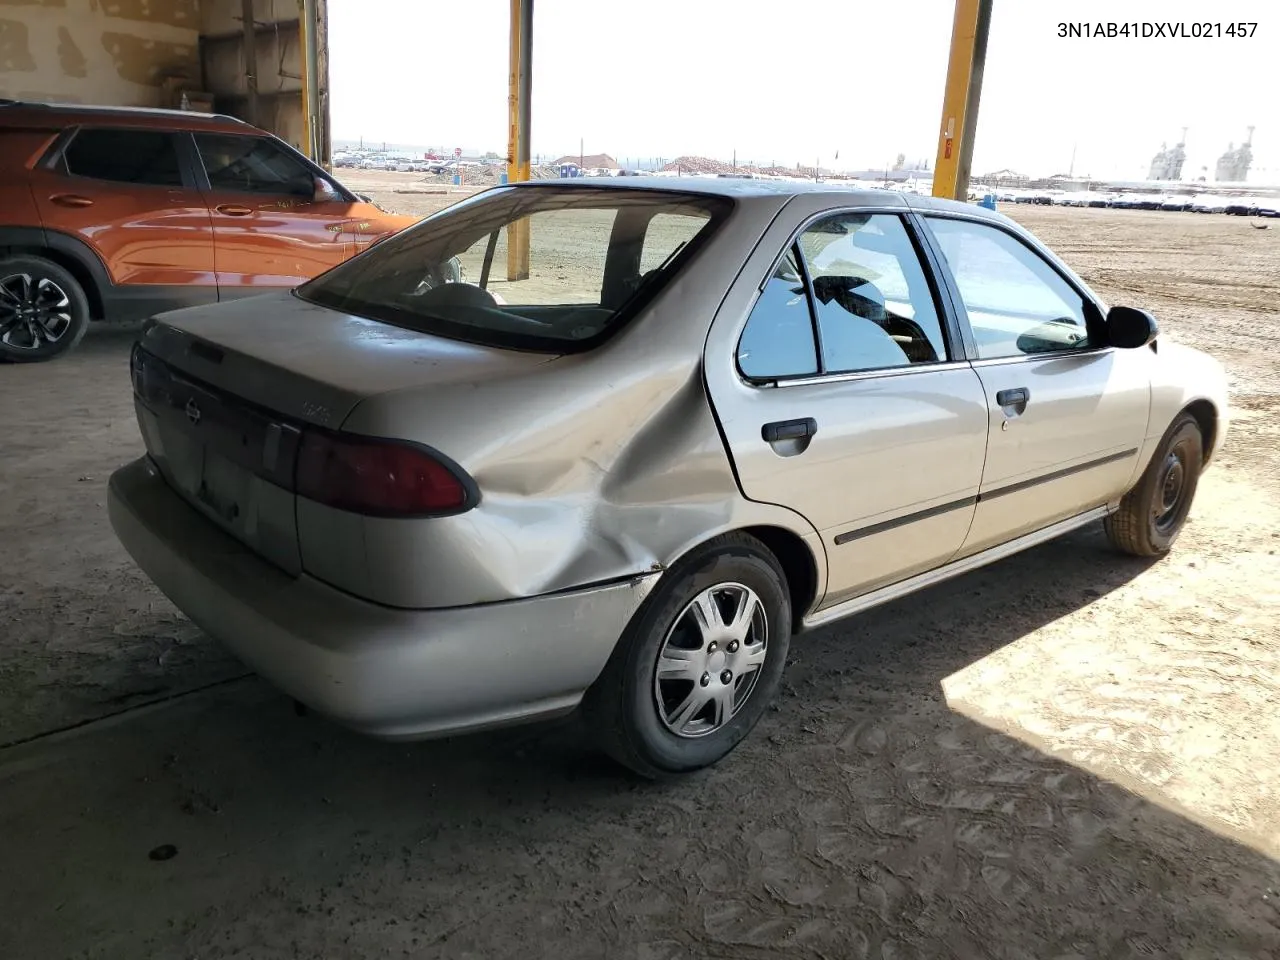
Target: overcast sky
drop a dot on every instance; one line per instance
(803, 79)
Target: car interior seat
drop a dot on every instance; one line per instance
(863, 299)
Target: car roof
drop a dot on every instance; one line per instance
(743, 187)
(27, 112)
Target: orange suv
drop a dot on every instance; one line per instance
(120, 213)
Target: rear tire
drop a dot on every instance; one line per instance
(43, 310)
(719, 623)
(1152, 514)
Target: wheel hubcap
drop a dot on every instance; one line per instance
(1172, 482)
(33, 311)
(710, 660)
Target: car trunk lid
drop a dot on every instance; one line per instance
(313, 364)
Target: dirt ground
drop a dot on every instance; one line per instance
(1069, 754)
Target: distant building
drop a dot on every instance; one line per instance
(1233, 166)
(895, 175)
(1000, 175)
(592, 161)
(1167, 164)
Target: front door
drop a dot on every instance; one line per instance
(1067, 414)
(125, 193)
(271, 226)
(841, 396)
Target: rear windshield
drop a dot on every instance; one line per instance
(595, 256)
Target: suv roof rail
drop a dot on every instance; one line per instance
(110, 108)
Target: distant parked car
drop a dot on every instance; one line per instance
(1209, 204)
(715, 413)
(123, 213)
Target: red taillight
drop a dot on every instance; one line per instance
(377, 477)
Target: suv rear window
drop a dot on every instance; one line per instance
(595, 256)
(125, 156)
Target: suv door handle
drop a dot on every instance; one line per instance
(789, 429)
(70, 200)
(234, 210)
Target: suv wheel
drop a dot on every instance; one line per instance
(696, 668)
(43, 309)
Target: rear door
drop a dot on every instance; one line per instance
(271, 226)
(841, 393)
(128, 195)
(1067, 414)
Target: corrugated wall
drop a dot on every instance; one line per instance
(96, 51)
(120, 52)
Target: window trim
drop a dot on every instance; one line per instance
(956, 348)
(811, 304)
(876, 373)
(56, 159)
(1046, 256)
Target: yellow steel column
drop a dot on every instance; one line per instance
(304, 73)
(518, 168)
(308, 60)
(960, 101)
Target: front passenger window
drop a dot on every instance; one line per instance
(249, 164)
(1016, 303)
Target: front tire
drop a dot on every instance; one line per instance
(1152, 514)
(43, 310)
(699, 664)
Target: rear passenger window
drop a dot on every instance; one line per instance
(874, 306)
(778, 340)
(125, 156)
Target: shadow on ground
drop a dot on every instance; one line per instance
(863, 818)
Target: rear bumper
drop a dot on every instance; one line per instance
(386, 672)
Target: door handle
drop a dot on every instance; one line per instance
(1013, 403)
(70, 200)
(234, 210)
(789, 429)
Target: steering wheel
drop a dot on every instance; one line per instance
(459, 295)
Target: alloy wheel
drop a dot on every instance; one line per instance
(33, 311)
(710, 660)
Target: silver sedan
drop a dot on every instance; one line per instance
(609, 445)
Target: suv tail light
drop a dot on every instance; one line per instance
(381, 478)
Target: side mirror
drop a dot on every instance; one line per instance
(1129, 328)
(321, 190)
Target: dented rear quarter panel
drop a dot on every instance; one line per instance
(594, 467)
